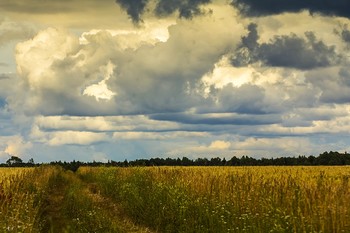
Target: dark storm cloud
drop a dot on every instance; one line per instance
(213, 119)
(295, 52)
(270, 7)
(186, 8)
(247, 52)
(134, 8)
(288, 51)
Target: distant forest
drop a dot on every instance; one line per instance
(326, 158)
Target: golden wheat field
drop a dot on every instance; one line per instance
(175, 199)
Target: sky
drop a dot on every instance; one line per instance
(131, 79)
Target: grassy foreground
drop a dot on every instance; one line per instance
(175, 199)
(50, 199)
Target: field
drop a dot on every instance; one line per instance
(175, 199)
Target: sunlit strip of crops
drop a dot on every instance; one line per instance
(5, 172)
(231, 199)
(21, 195)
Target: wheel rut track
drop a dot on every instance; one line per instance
(54, 217)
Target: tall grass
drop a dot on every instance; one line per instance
(175, 199)
(21, 195)
(230, 199)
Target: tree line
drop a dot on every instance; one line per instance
(326, 158)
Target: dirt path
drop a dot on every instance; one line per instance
(76, 206)
(114, 211)
(53, 219)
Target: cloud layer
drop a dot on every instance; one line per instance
(191, 78)
(327, 7)
(288, 51)
(161, 8)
